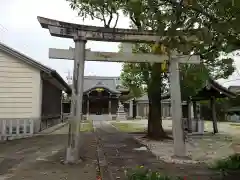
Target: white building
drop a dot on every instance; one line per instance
(30, 93)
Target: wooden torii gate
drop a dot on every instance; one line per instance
(80, 34)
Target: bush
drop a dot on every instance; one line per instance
(230, 163)
(145, 174)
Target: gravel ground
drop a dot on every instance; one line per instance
(207, 148)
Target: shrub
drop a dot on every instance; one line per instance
(230, 163)
(145, 174)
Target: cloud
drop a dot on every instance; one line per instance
(20, 30)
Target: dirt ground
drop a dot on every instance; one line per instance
(40, 157)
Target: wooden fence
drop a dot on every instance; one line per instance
(16, 128)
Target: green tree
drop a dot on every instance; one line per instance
(106, 11)
(204, 27)
(192, 79)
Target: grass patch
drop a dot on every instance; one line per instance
(127, 127)
(145, 174)
(87, 126)
(230, 163)
(235, 125)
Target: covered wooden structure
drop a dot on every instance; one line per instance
(211, 91)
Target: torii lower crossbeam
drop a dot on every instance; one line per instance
(68, 54)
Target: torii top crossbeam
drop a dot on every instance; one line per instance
(69, 30)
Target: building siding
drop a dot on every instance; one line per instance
(20, 89)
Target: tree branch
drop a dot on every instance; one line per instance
(103, 17)
(174, 2)
(110, 18)
(116, 21)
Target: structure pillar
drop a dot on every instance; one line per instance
(131, 108)
(177, 124)
(170, 110)
(88, 108)
(194, 122)
(190, 116)
(110, 107)
(74, 144)
(61, 115)
(214, 115)
(137, 113)
(199, 120)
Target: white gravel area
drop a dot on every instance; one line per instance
(199, 149)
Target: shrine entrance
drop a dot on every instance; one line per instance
(100, 100)
(98, 106)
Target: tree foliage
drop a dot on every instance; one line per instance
(215, 23)
(106, 11)
(215, 20)
(192, 79)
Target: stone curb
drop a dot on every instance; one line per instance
(52, 129)
(101, 159)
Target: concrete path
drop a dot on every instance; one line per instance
(40, 157)
(118, 151)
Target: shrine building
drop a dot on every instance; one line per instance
(101, 96)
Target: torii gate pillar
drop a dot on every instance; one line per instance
(176, 107)
(74, 145)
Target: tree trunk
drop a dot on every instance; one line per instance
(155, 129)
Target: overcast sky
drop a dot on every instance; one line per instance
(20, 30)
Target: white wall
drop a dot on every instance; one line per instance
(20, 89)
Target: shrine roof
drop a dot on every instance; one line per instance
(111, 83)
(213, 88)
(145, 97)
(100, 84)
